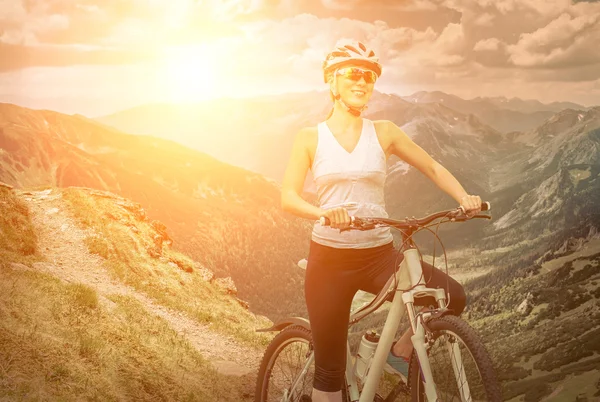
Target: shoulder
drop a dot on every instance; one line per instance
(308, 136)
(308, 132)
(306, 140)
(391, 137)
(386, 127)
(388, 131)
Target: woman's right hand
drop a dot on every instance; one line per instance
(338, 217)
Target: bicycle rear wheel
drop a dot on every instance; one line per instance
(461, 367)
(287, 356)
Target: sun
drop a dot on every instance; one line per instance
(190, 73)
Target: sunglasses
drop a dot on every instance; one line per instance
(355, 74)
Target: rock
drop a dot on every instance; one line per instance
(226, 285)
(182, 264)
(526, 305)
(133, 207)
(158, 241)
(243, 303)
(161, 229)
(155, 250)
(18, 267)
(8, 186)
(205, 273)
(111, 216)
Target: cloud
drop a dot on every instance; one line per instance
(485, 19)
(566, 41)
(423, 44)
(21, 25)
(14, 57)
(43, 33)
(417, 5)
(489, 44)
(340, 4)
(506, 7)
(304, 40)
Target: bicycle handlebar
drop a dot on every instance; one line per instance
(366, 223)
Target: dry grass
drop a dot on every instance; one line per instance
(164, 279)
(60, 342)
(18, 241)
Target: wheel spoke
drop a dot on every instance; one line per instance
(286, 365)
(461, 368)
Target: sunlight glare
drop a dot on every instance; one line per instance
(191, 73)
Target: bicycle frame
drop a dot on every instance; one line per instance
(408, 276)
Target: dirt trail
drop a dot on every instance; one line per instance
(61, 241)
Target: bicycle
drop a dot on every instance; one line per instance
(449, 360)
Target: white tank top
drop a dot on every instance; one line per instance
(354, 180)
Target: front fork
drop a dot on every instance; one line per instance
(418, 338)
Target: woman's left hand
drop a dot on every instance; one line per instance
(471, 204)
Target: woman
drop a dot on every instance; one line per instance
(347, 155)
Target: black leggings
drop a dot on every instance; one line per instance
(333, 276)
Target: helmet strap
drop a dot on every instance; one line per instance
(355, 111)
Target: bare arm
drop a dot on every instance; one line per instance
(293, 180)
(403, 147)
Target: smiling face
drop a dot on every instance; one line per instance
(355, 84)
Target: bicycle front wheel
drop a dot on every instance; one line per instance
(461, 367)
(287, 370)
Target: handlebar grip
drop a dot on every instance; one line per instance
(485, 206)
(324, 221)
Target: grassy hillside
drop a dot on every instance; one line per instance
(127, 240)
(58, 342)
(541, 322)
(62, 340)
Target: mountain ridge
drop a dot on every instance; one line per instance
(209, 206)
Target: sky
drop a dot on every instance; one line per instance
(96, 57)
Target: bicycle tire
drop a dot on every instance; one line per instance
(264, 383)
(294, 333)
(478, 367)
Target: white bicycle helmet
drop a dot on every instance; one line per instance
(351, 53)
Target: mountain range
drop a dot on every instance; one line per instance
(211, 172)
(528, 175)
